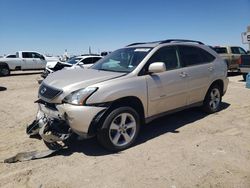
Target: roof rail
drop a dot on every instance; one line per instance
(90, 55)
(180, 40)
(166, 41)
(136, 43)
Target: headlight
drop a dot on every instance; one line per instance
(79, 97)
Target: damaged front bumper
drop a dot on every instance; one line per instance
(56, 122)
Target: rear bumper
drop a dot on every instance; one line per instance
(226, 81)
(79, 118)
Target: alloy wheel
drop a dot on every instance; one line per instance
(215, 98)
(122, 129)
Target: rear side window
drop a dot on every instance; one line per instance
(238, 50)
(11, 56)
(220, 50)
(191, 55)
(87, 60)
(167, 55)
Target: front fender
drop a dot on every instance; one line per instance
(116, 89)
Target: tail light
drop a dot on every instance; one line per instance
(239, 61)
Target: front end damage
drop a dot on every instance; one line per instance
(54, 132)
(56, 123)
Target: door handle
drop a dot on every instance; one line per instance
(183, 74)
(210, 68)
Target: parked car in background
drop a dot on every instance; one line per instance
(232, 55)
(244, 65)
(131, 86)
(83, 61)
(24, 60)
(10, 56)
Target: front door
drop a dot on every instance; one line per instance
(27, 61)
(39, 61)
(166, 90)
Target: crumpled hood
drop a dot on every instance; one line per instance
(74, 79)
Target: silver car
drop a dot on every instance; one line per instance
(129, 88)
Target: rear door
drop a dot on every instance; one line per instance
(166, 90)
(199, 68)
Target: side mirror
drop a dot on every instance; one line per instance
(248, 52)
(157, 67)
(42, 57)
(80, 63)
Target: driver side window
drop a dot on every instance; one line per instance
(167, 55)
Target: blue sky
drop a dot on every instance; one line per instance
(51, 26)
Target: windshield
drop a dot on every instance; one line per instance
(122, 60)
(74, 60)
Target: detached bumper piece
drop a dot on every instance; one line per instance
(53, 133)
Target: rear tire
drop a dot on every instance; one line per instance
(212, 102)
(120, 129)
(244, 75)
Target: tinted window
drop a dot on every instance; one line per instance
(193, 55)
(36, 55)
(167, 55)
(74, 60)
(238, 50)
(87, 60)
(27, 55)
(11, 56)
(220, 50)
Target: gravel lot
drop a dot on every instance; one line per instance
(186, 149)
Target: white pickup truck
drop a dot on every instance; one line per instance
(24, 60)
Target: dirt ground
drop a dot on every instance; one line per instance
(186, 149)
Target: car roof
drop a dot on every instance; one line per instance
(157, 43)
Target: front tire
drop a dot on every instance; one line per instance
(120, 129)
(212, 102)
(4, 71)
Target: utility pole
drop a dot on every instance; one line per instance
(89, 49)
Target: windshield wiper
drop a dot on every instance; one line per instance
(113, 70)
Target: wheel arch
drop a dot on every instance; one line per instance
(129, 101)
(4, 64)
(218, 82)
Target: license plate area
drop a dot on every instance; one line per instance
(49, 112)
